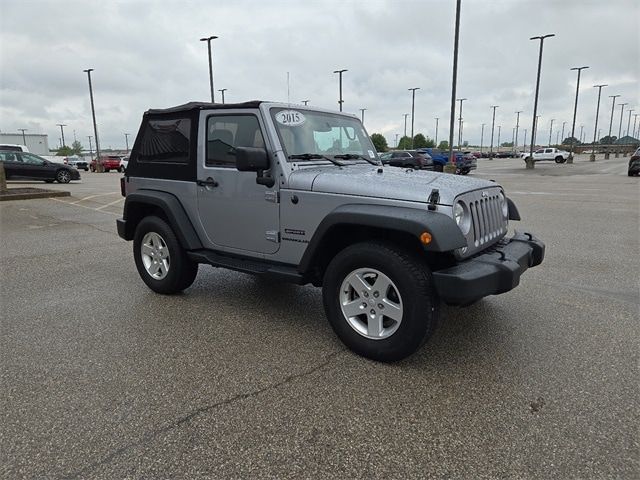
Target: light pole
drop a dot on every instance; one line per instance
(222, 90)
(450, 167)
(498, 143)
(305, 102)
(397, 135)
(481, 137)
(362, 110)
(613, 105)
(562, 134)
(405, 123)
(493, 121)
(515, 143)
(581, 130)
(437, 119)
(460, 124)
(413, 110)
(635, 119)
(126, 140)
(24, 138)
(62, 125)
(340, 72)
(525, 138)
(530, 163)
(551, 130)
(620, 128)
(592, 158)
(575, 111)
(557, 138)
(513, 136)
(99, 167)
(629, 121)
(90, 147)
(208, 40)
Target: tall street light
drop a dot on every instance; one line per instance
(515, 143)
(635, 119)
(613, 106)
(413, 110)
(525, 138)
(498, 143)
(619, 129)
(362, 110)
(460, 124)
(437, 119)
(450, 167)
(562, 134)
(575, 111)
(530, 162)
(99, 167)
(208, 40)
(493, 122)
(126, 140)
(24, 138)
(90, 147)
(581, 130)
(628, 122)
(551, 130)
(222, 90)
(481, 137)
(592, 157)
(62, 125)
(405, 122)
(340, 72)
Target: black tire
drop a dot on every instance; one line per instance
(559, 159)
(438, 167)
(120, 169)
(63, 176)
(182, 271)
(412, 278)
(86, 169)
(106, 170)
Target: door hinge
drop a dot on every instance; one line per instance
(272, 196)
(272, 236)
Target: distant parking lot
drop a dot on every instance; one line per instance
(242, 378)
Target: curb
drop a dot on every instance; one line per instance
(21, 194)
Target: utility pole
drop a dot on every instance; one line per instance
(581, 136)
(575, 111)
(362, 110)
(499, 128)
(208, 40)
(450, 167)
(90, 147)
(99, 167)
(481, 137)
(515, 143)
(222, 90)
(405, 123)
(397, 135)
(551, 130)
(562, 135)
(436, 141)
(460, 124)
(525, 138)
(530, 162)
(492, 128)
(24, 138)
(340, 72)
(62, 125)
(413, 110)
(592, 158)
(126, 140)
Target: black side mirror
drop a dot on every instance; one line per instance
(250, 159)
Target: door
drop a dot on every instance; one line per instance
(36, 167)
(235, 212)
(11, 164)
(538, 154)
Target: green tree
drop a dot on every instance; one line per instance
(608, 140)
(379, 142)
(507, 144)
(64, 151)
(76, 147)
(571, 141)
(430, 143)
(419, 141)
(404, 143)
(443, 145)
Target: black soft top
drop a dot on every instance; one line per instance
(187, 107)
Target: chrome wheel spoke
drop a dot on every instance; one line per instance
(353, 308)
(146, 250)
(381, 285)
(392, 310)
(155, 255)
(358, 283)
(374, 325)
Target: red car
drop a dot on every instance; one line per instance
(109, 162)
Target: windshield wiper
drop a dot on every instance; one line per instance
(353, 156)
(314, 156)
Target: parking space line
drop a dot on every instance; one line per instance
(93, 196)
(109, 204)
(84, 206)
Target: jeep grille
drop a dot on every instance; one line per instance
(488, 224)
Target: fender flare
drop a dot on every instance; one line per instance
(174, 213)
(446, 236)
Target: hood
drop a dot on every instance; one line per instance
(392, 183)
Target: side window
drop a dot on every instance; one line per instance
(548, 150)
(31, 159)
(225, 133)
(8, 157)
(165, 141)
(539, 151)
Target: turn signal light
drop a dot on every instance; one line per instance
(425, 238)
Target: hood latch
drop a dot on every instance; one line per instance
(434, 198)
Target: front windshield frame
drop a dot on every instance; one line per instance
(350, 127)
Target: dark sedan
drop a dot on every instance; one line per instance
(27, 166)
(409, 159)
(634, 164)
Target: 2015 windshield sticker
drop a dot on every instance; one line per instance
(371, 154)
(290, 118)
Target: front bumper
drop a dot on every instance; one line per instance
(491, 273)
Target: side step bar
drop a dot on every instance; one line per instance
(254, 266)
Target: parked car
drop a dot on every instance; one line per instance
(559, 156)
(124, 161)
(27, 166)
(78, 162)
(109, 162)
(13, 147)
(465, 161)
(634, 163)
(411, 159)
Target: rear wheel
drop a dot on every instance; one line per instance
(559, 159)
(380, 300)
(160, 259)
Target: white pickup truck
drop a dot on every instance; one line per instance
(560, 156)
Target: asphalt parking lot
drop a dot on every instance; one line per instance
(242, 378)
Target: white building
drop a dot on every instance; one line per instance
(37, 143)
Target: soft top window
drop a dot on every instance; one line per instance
(165, 141)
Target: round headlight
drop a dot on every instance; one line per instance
(505, 205)
(461, 216)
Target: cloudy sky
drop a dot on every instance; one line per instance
(147, 54)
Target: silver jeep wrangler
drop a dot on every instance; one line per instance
(299, 194)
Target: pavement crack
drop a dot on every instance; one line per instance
(153, 434)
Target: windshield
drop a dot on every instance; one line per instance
(305, 132)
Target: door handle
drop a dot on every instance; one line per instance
(209, 182)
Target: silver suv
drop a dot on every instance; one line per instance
(299, 194)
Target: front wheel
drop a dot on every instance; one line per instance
(63, 176)
(161, 262)
(380, 300)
